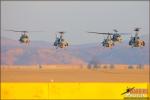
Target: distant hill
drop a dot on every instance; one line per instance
(39, 52)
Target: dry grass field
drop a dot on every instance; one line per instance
(74, 73)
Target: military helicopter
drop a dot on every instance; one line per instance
(108, 42)
(60, 41)
(136, 41)
(24, 38)
(112, 38)
(116, 36)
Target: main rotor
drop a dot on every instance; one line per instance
(137, 29)
(22, 31)
(62, 32)
(102, 33)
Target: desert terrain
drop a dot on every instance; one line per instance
(74, 73)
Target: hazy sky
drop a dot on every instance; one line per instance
(73, 17)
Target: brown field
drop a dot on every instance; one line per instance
(74, 73)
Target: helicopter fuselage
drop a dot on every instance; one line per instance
(60, 42)
(24, 38)
(136, 42)
(108, 43)
(117, 38)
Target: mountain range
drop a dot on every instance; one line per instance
(40, 52)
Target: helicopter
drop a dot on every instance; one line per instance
(108, 42)
(136, 41)
(60, 41)
(116, 37)
(24, 38)
(112, 38)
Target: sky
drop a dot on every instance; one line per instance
(76, 18)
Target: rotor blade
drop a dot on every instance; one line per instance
(13, 30)
(35, 31)
(23, 31)
(16, 31)
(101, 33)
(61, 32)
(137, 29)
(125, 33)
(9, 30)
(92, 32)
(106, 33)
